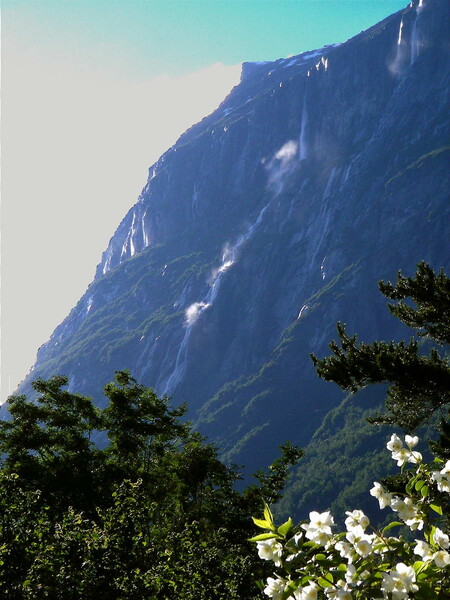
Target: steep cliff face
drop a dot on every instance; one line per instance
(266, 223)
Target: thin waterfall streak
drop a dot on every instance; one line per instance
(302, 140)
(415, 39)
(193, 312)
(399, 40)
(180, 364)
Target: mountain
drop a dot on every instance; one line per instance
(265, 224)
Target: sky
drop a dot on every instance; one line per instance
(92, 93)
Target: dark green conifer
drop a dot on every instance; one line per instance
(417, 383)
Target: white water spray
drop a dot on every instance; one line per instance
(279, 166)
(194, 310)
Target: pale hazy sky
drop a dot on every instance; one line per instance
(93, 92)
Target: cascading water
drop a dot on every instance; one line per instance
(398, 62)
(128, 245)
(145, 236)
(415, 35)
(400, 33)
(194, 310)
(302, 150)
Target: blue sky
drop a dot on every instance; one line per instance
(93, 92)
(138, 39)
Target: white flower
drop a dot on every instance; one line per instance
(350, 574)
(355, 518)
(411, 441)
(415, 457)
(440, 538)
(363, 547)
(270, 550)
(275, 588)
(441, 558)
(408, 512)
(322, 521)
(402, 456)
(319, 537)
(383, 497)
(340, 592)
(355, 534)
(446, 469)
(442, 478)
(298, 536)
(307, 593)
(443, 483)
(319, 528)
(415, 523)
(423, 550)
(345, 550)
(399, 582)
(360, 541)
(395, 443)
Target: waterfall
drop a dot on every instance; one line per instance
(129, 241)
(145, 237)
(194, 202)
(415, 37)
(194, 310)
(302, 150)
(180, 364)
(107, 264)
(399, 39)
(397, 64)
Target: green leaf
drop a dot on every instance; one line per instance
(268, 515)
(418, 565)
(391, 525)
(264, 536)
(283, 529)
(436, 508)
(410, 484)
(291, 587)
(430, 534)
(325, 582)
(424, 491)
(419, 485)
(378, 575)
(261, 523)
(320, 557)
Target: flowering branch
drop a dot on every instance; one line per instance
(312, 562)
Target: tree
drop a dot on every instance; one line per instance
(152, 514)
(418, 384)
(48, 444)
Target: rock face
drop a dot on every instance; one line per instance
(267, 222)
